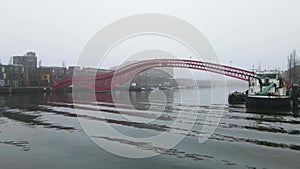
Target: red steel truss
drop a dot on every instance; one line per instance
(114, 78)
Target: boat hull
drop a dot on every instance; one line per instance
(236, 98)
(270, 102)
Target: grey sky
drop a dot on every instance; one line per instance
(246, 32)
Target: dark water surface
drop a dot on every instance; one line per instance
(42, 131)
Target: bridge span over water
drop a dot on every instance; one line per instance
(117, 77)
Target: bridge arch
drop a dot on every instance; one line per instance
(114, 78)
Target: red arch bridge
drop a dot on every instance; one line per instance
(117, 77)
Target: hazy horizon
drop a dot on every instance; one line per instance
(246, 33)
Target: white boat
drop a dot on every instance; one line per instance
(268, 90)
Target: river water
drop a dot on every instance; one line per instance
(43, 131)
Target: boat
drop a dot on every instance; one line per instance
(268, 90)
(236, 98)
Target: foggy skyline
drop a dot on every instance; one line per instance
(246, 33)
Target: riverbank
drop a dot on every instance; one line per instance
(16, 90)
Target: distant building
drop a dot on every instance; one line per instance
(29, 60)
(101, 71)
(48, 75)
(12, 75)
(156, 77)
(59, 73)
(77, 71)
(2, 75)
(72, 69)
(89, 71)
(92, 71)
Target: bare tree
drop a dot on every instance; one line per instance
(63, 63)
(292, 64)
(40, 63)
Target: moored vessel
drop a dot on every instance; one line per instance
(268, 90)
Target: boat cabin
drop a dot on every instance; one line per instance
(267, 83)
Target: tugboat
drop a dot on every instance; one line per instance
(268, 90)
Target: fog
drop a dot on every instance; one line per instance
(244, 33)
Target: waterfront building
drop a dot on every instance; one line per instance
(12, 75)
(48, 75)
(29, 60)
